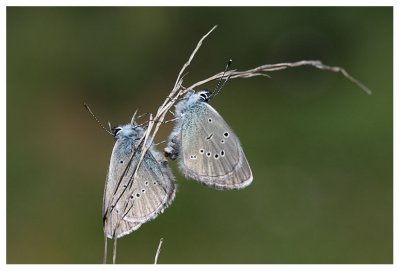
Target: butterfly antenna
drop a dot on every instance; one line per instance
(218, 87)
(133, 117)
(226, 80)
(91, 113)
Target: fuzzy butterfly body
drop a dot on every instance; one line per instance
(209, 151)
(129, 202)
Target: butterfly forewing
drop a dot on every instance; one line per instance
(128, 202)
(211, 152)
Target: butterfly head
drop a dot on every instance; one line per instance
(126, 131)
(204, 95)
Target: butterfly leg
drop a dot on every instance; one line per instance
(172, 149)
(155, 144)
(138, 117)
(142, 115)
(171, 120)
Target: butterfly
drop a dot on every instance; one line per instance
(129, 202)
(207, 148)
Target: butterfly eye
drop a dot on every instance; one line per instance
(116, 130)
(205, 96)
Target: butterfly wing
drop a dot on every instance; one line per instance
(211, 152)
(129, 202)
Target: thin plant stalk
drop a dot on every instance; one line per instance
(158, 251)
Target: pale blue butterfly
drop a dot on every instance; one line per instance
(207, 148)
(128, 202)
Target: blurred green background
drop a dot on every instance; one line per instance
(319, 147)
